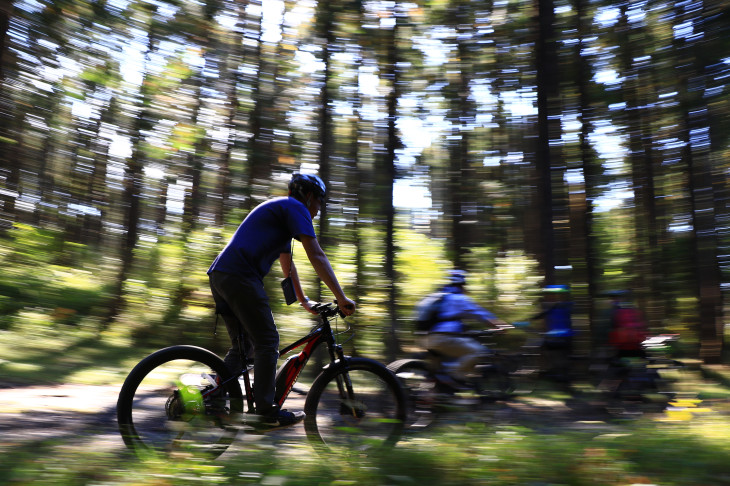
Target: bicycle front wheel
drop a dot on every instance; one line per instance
(180, 399)
(493, 382)
(356, 404)
(421, 389)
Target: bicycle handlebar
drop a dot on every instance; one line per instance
(327, 309)
(484, 332)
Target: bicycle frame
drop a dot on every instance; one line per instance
(294, 365)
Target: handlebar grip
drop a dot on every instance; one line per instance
(339, 311)
(328, 309)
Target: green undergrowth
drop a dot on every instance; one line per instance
(640, 452)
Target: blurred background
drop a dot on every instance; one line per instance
(532, 143)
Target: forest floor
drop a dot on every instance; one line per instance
(86, 414)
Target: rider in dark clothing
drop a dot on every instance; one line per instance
(236, 281)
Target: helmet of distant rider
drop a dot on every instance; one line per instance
(301, 184)
(556, 289)
(457, 277)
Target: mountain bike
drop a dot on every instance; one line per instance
(634, 384)
(184, 399)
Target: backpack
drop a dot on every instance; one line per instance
(427, 311)
(629, 329)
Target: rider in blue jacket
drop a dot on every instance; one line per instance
(446, 336)
(558, 343)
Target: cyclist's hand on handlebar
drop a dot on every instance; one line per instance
(500, 325)
(308, 305)
(346, 306)
(496, 330)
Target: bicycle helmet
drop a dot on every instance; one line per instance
(301, 184)
(457, 277)
(556, 289)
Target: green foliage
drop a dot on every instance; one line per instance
(32, 279)
(41, 351)
(422, 266)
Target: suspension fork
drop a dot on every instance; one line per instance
(344, 384)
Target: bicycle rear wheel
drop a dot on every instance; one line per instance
(356, 404)
(171, 403)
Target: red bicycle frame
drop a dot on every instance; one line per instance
(288, 373)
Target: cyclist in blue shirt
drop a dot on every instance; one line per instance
(446, 336)
(558, 343)
(236, 281)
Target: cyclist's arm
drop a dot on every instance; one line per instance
(475, 311)
(495, 321)
(290, 269)
(324, 271)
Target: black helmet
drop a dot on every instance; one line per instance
(301, 184)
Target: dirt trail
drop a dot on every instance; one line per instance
(69, 412)
(85, 415)
(81, 414)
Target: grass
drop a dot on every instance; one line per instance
(43, 354)
(641, 452)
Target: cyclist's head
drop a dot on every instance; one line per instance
(457, 278)
(302, 184)
(618, 295)
(554, 293)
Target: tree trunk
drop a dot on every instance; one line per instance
(547, 90)
(697, 134)
(326, 140)
(9, 134)
(391, 74)
(591, 167)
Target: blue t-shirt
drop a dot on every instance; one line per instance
(557, 319)
(265, 233)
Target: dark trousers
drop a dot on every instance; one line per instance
(248, 317)
(556, 353)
